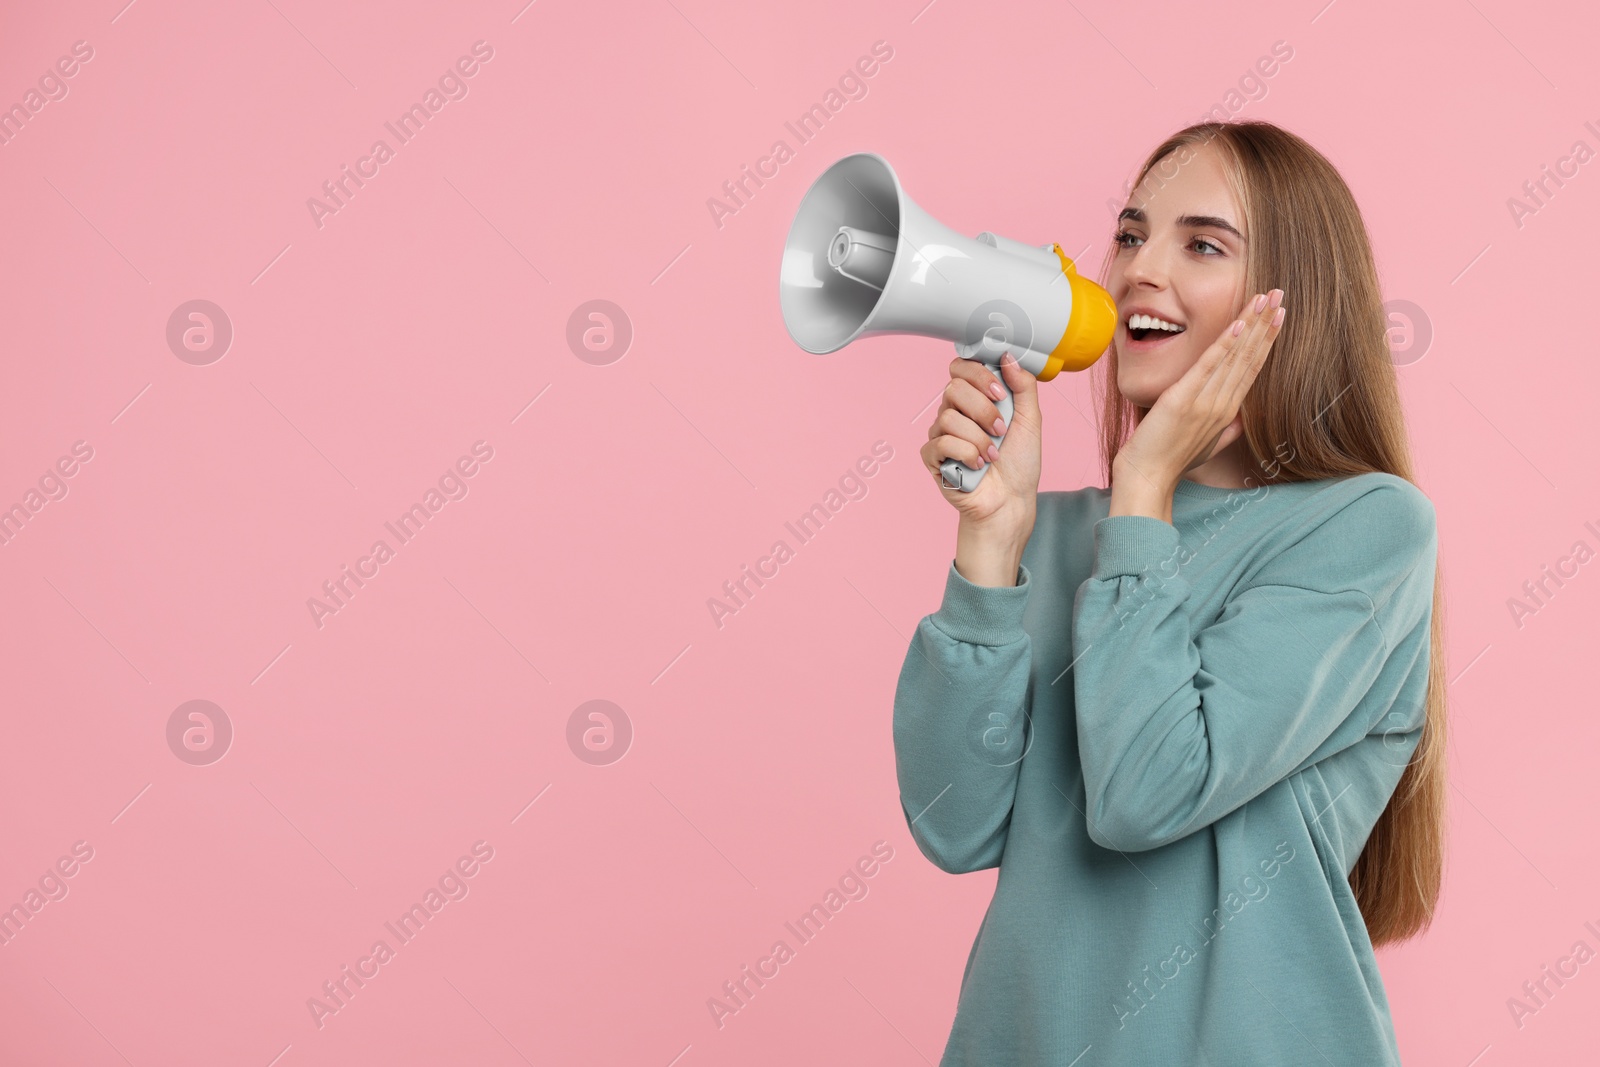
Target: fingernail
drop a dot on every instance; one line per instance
(999, 427)
(1238, 326)
(1277, 298)
(993, 454)
(996, 392)
(1277, 320)
(1261, 302)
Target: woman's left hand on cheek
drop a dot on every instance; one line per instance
(1198, 415)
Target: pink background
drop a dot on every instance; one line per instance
(368, 354)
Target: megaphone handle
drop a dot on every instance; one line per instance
(957, 475)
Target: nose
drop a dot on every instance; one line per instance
(1146, 267)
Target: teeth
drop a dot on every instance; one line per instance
(1149, 322)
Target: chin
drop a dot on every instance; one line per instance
(1139, 387)
(1143, 378)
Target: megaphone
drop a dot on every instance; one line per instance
(862, 259)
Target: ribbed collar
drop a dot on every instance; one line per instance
(1209, 492)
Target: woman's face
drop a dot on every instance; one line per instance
(1180, 257)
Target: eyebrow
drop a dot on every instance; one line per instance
(1198, 222)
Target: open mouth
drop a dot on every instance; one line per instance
(1147, 328)
(1143, 333)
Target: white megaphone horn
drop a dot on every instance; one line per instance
(863, 259)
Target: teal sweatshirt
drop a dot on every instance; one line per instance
(1173, 740)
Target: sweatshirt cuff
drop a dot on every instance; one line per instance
(1132, 544)
(983, 614)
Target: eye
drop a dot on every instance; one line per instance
(1208, 244)
(1121, 238)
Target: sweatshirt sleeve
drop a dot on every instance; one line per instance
(960, 722)
(1177, 728)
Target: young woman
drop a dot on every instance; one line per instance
(1196, 719)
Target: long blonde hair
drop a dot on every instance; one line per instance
(1307, 237)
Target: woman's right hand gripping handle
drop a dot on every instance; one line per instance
(996, 518)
